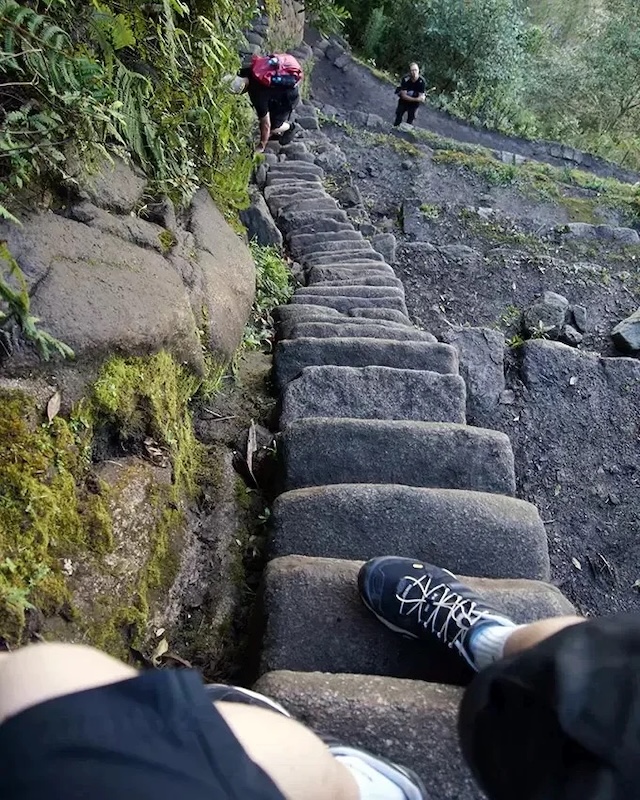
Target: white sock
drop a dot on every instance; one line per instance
(487, 643)
(376, 780)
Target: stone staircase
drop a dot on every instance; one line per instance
(377, 459)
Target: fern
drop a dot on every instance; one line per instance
(18, 304)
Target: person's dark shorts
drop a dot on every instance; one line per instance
(154, 737)
(560, 721)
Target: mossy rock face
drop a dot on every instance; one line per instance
(112, 594)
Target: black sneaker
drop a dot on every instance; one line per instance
(221, 692)
(420, 601)
(355, 759)
(287, 136)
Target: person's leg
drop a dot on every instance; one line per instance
(411, 112)
(297, 761)
(399, 114)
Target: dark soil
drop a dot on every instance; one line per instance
(577, 456)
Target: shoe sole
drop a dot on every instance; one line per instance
(413, 787)
(221, 693)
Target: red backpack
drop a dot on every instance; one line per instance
(277, 70)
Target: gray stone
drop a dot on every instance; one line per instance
(376, 122)
(374, 393)
(458, 252)
(580, 318)
(571, 336)
(253, 37)
(423, 454)
(332, 158)
(292, 356)
(99, 294)
(349, 197)
(547, 316)
(366, 228)
(293, 200)
(626, 334)
(308, 123)
(259, 222)
(355, 243)
(579, 230)
(317, 275)
(316, 205)
(315, 621)
(347, 304)
(626, 236)
(117, 186)
(290, 220)
(307, 157)
(294, 149)
(321, 225)
(358, 118)
(342, 61)
(361, 278)
(228, 275)
(365, 710)
(260, 175)
(354, 254)
(345, 290)
(380, 314)
(481, 352)
(333, 51)
(299, 241)
(289, 168)
(363, 329)
(489, 535)
(385, 244)
(132, 228)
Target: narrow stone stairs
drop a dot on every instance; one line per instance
(377, 459)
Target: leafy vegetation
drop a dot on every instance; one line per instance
(81, 80)
(274, 287)
(559, 69)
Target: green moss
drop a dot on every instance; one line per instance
(430, 210)
(167, 240)
(150, 397)
(47, 513)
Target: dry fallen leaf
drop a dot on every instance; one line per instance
(252, 446)
(576, 563)
(573, 380)
(53, 406)
(160, 649)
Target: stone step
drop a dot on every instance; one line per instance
(313, 620)
(344, 330)
(317, 205)
(347, 255)
(284, 169)
(339, 271)
(322, 226)
(292, 220)
(288, 189)
(290, 199)
(291, 178)
(357, 257)
(313, 313)
(302, 240)
(489, 535)
(409, 722)
(340, 245)
(293, 355)
(345, 304)
(435, 455)
(363, 278)
(346, 290)
(307, 158)
(374, 393)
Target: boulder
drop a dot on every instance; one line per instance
(99, 293)
(228, 275)
(547, 315)
(385, 244)
(116, 186)
(259, 222)
(579, 314)
(571, 336)
(481, 353)
(626, 334)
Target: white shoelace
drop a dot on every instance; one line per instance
(461, 612)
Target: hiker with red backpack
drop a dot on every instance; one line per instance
(272, 85)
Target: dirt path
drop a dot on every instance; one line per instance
(360, 90)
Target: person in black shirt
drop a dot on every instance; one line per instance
(411, 93)
(273, 105)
